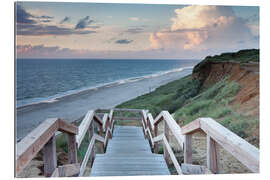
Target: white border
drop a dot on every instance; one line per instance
(7, 85)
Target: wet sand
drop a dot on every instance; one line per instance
(74, 106)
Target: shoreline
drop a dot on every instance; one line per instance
(74, 106)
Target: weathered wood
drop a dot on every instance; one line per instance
(99, 138)
(150, 137)
(87, 155)
(97, 119)
(121, 118)
(49, 157)
(167, 136)
(191, 127)
(84, 126)
(72, 149)
(173, 126)
(55, 173)
(188, 149)
(29, 146)
(127, 110)
(69, 170)
(158, 138)
(212, 155)
(105, 121)
(66, 127)
(156, 143)
(151, 120)
(101, 134)
(238, 147)
(172, 156)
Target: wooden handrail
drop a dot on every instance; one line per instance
(30, 145)
(172, 125)
(238, 147)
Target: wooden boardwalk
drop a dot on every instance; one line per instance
(128, 153)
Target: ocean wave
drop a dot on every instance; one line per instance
(55, 98)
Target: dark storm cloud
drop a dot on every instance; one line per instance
(83, 23)
(22, 16)
(36, 30)
(123, 41)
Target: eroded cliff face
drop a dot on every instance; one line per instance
(247, 75)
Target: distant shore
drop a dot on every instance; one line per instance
(73, 107)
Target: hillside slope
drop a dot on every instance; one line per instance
(224, 87)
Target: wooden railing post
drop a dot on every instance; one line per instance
(91, 133)
(49, 157)
(166, 134)
(188, 149)
(101, 134)
(156, 143)
(72, 149)
(212, 155)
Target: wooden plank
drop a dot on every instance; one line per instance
(69, 170)
(105, 121)
(97, 119)
(99, 138)
(66, 127)
(188, 149)
(167, 137)
(172, 156)
(159, 118)
(49, 157)
(212, 155)
(158, 138)
(150, 117)
(246, 153)
(120, 118)
(84, 126)
(101, 135)
(155, 142)
(150, 137)
(29, 146)
(127, 110)
(87, 155)
(55, 173)
(191, 127)
(72, 149)
(174, 128)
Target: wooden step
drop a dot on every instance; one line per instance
(129, 154)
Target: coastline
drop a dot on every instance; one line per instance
(74, 106)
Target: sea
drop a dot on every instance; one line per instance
(45, 80)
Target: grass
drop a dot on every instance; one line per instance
(167, 97)
(242, 56)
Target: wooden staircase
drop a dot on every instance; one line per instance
(127, 150)
(128, 154)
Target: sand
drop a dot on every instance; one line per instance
(73, 107)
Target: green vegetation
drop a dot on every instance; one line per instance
(169, 97)
(242, 56)
(188, 100)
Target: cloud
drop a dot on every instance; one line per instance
(22, 16)
(83, 23)
(37, 30)
(198, 28)
(66, 19)
(135, 30)
(134, 19)
(123, 41)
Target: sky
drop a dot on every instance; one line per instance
(132, 31)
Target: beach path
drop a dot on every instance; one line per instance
(128, 153)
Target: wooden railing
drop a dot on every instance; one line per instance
(43, 138)
(246, 153)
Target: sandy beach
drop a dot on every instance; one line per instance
(74, 106)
